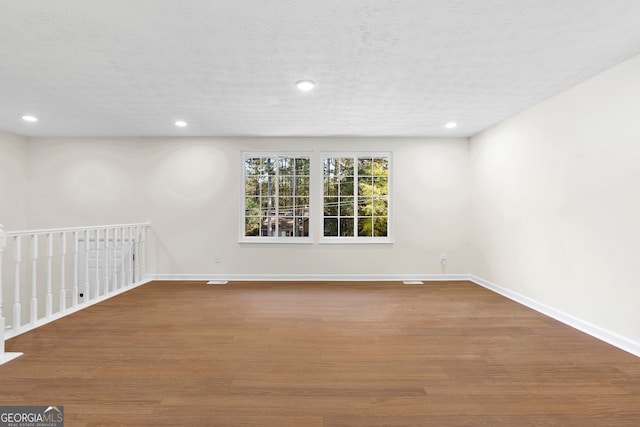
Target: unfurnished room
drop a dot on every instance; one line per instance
(344, 213)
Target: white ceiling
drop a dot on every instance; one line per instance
(228, 68)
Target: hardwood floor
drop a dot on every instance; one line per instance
(311, 354)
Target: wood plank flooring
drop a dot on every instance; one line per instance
(311, 354)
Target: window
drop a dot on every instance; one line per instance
(356, 196)
(276, 197)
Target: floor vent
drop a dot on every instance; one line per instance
(413, 282)
(217, 282)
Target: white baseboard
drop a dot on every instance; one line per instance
(311, 277)
(609, 337)
(8, 357)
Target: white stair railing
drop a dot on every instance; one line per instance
(102, 262)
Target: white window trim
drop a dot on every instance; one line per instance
(359, 240)
(275, 239)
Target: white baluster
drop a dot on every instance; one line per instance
(63, 254)
(143, 256)
(130, 245)
(86, 289)
(34, 283)
(115, 259)
(107, 288)
(49, 300)
(122, 263)
(17, 322)
(76, 270)
(136, 248)
(4, 357)
(96, 294)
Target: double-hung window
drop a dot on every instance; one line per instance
(276, 197)
(356, 197)
(351, 195)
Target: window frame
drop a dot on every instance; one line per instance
(275, 239)
(355, 155)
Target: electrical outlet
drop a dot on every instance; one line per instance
(443, 259)
(218, 259)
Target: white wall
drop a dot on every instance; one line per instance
(555, 202)
(189, 190)
(14, 188)
(14, 168)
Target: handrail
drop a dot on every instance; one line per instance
(68, 229)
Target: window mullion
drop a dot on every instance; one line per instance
(292, 195)
(356, 197)
(275, 198)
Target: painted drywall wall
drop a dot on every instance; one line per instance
(555, 202)
(14, 185)
(189, 189)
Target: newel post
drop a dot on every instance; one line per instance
(4, 357)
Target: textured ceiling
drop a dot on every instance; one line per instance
(384, 68)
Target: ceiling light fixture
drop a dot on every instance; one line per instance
(451, 125)
(305, 85)
(181, 123)
(28, 118)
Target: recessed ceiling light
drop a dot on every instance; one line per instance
(181, 123)
(305, 85)
(451, 125)
(28, 118)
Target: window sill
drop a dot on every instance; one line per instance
(277, 240)
(356, 241)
